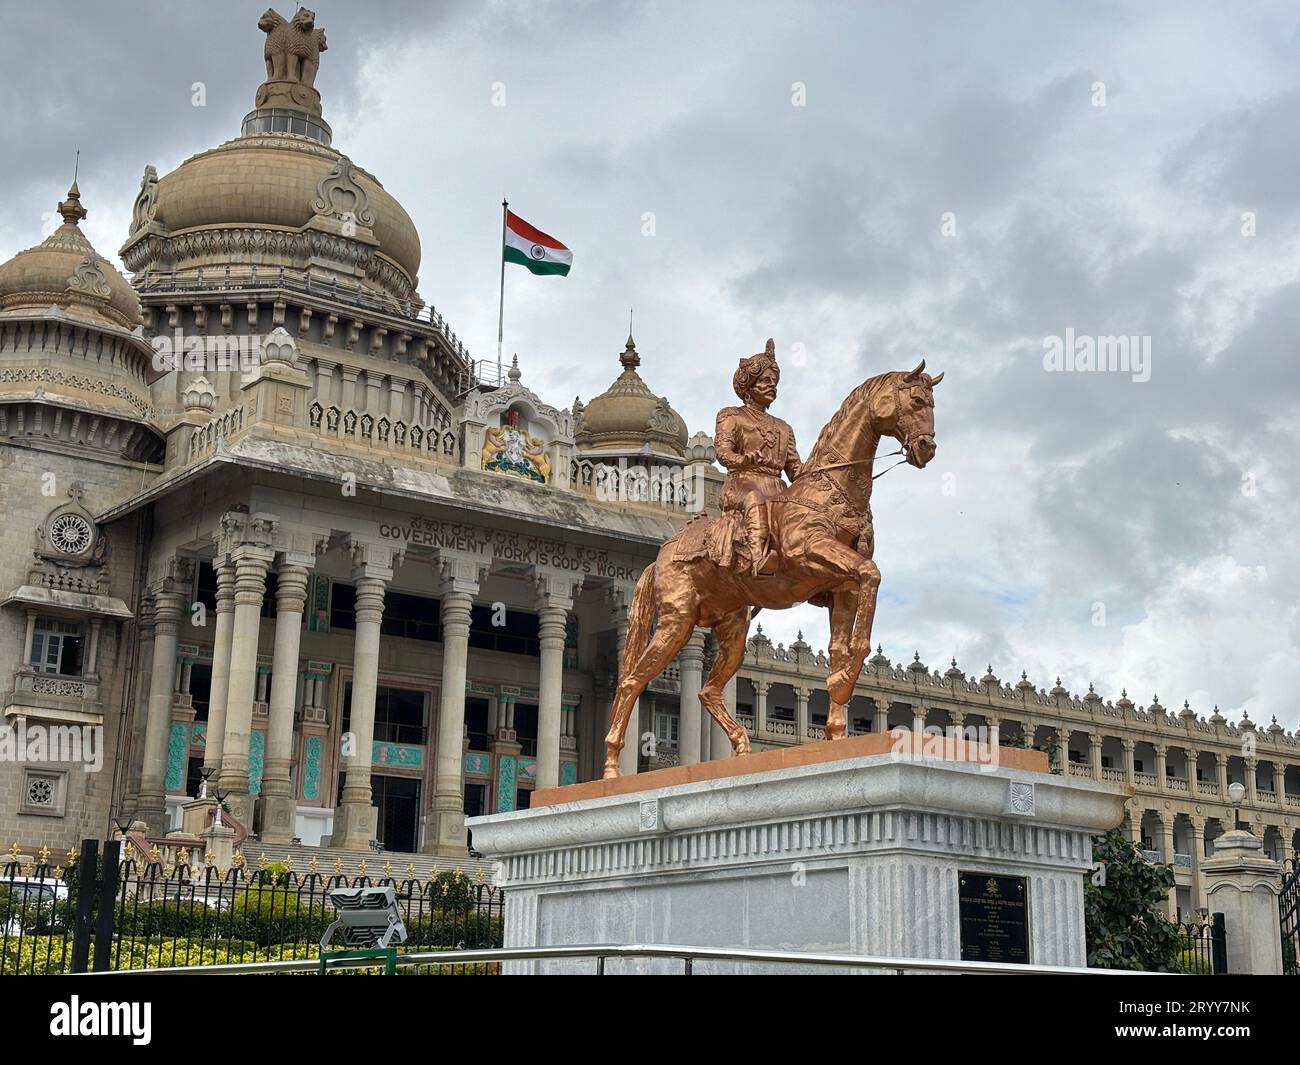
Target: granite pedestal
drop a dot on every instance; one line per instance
(815, 850)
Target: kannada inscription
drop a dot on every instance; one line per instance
(994, 918)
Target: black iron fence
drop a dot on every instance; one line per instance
(102, 912)
(1288, 901)
(1203, 947)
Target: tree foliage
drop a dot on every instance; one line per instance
(1122, 906)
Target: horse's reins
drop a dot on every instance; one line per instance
(858, 462)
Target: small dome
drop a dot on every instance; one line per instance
(628, 418)
(65, 270)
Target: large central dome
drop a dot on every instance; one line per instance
(279, 196)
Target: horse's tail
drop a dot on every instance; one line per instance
(639, 617)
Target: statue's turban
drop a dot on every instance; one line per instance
(749, 369)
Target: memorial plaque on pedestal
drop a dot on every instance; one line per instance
(994, 917)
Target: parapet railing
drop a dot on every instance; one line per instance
(601, 953)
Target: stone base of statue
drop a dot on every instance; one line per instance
(860, 846)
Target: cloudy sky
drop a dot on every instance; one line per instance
(868, 184)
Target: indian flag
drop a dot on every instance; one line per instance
(530, 247)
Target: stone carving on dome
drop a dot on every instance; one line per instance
(279, 346)
(292, 54)
(69, 536)
(662, 419)
(340, 196)
(146, 203)
(245, 241)
(699, 448)
(87, 384)
(88, 278)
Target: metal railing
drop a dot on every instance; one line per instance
(603, 952)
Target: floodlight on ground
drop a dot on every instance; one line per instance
(365, 917)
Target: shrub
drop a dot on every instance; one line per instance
(1126, 928)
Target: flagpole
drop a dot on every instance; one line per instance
(501, 303)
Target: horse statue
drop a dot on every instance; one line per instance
(821, 532)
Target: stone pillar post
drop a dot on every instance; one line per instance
(1221, 765)
(251, 561)
(1063, 749)
(169, 607)
(459, 583)
(690, 712)
(1242, 884)
(1094, 753)
(279, 804)
(801, 715)
(356, 818)
(1129, 772)
(1162, 752)
(554, 601)
(1279, 783)
(881, 717)
(1135, 824)
(1193, 762)
(1252, 793)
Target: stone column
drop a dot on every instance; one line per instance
(140, 711)
(1161, 752)
(1063, 749)
(1252, 794)
(801, 715)
(279, 804)
(224, 633)
(28, 639)
(554, 601)
(169, 607)
(1135, 824)
(356, 819)
(459, 583)
(1167, 853)
(1193, 763)
(761, 688)
(1242, 884)
(1129, 772)
(1094, 753)
(881, 717)
(251, 562)
(1279, 783)
(1198, 856)
(1221, 764)
(690, 712)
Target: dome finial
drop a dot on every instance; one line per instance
(71, 208)
(514, 373)
(630, 359)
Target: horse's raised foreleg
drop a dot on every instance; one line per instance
(844, 609)
(829, 556)
(730, 633)
(671, 633)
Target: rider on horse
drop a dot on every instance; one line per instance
(755, 447)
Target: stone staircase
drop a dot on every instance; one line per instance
(329, 860)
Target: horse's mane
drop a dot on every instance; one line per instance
(850, 408)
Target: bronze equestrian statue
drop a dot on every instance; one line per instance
(817, 530)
